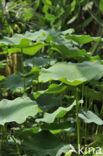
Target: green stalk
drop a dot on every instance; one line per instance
(1, 141)
(97, 129)
(77, 121)
(97, 43)
(22, 59)
(17, 147)
(85, 125)
(0, 92)
(94, 48)
(5, 132)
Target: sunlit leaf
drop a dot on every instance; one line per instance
(52, 89)
(72, 73)
(89, 117)
(33, 50)
(17, 110)
(83, 39)
(65, 150)
(2, 77)
(2, 64)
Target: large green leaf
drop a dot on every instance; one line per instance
(42, 144)
(72, 73)
(27, 49)
(15, 40)
(68, 48)
(41, 35)
(16, 82)
(34, 49)
(58, 126)
(17, 110)
(25, 39)
(37, 61)
(89, 117)
(52, 89)
(48, 102)
(59, 113)
(70, 51)
(83, 39)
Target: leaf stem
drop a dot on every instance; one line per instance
(77, 122)
(1, 141)
(22, 59)
(17, 147)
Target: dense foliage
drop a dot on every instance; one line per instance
(51, 77)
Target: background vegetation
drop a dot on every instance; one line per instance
(51, 72)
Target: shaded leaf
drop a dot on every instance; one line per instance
(92, 93)
(48, 102)
(16, 82)
(56, 126)
(36, 61)
(42, 144)
(52, 89)
(59, 113)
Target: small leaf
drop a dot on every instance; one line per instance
(55, 89)
(69, 153)
(89, 117)
(65, 150)
(101, 5)
(2, 77)
(2, 64)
